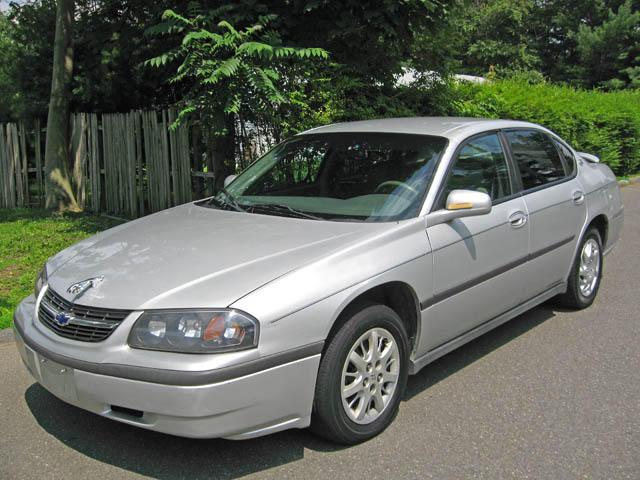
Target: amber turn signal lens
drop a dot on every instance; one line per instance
(459, 206)
(215, 329)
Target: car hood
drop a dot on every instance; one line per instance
(191, 256)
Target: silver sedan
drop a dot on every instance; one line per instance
(309, 287)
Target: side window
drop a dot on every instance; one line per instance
(536, 157)
(568, 158)
(481, 165)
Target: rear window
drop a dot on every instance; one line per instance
(536, 156)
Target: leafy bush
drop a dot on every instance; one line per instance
(603, 123)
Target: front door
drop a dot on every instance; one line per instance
(477, 261)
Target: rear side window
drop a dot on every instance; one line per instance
(482, 166)
(536, 157)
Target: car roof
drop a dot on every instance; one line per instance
(453, 128)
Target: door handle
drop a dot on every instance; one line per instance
(518, 219)
(577, 197)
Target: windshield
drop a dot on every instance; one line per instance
(339, 176)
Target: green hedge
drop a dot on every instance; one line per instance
(606, 124)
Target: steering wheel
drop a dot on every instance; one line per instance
(394, 184)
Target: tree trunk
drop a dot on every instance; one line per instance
(196, 161)
(221, 148)
(58, 188)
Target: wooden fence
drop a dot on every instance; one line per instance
(14, 181)
(124, 164)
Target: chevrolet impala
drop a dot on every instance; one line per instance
(307, 289)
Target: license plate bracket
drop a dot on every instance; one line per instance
(57, 378)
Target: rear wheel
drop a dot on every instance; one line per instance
(586, 273)
(362, 376)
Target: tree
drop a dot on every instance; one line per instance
(8, 91)
(109, 49)
(370, 40)
(58, 188)
(495, 36)
(610, 52)
(554, 27)
(229, 72)
(32, 66)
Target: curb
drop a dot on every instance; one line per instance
(630, 181)
(6, 335)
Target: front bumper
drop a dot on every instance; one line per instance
(258, 402)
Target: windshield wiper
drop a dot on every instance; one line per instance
(228, 201)
(278, 208)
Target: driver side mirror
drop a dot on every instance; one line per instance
(460, 204)
(229, 179)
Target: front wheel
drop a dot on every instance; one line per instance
(362, 377)
(586, 273)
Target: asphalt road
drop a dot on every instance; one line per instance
(552, 394)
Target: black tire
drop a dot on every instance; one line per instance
(329, 418)
(574, 298)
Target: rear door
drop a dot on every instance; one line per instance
(477, 260)
(555, 201)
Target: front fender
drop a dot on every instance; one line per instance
(300, 308)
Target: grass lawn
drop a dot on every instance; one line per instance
(28, 237)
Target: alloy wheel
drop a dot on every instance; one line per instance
(370, 375)
(589, 270)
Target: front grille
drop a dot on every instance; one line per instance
(87, 324)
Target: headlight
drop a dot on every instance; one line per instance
(41, 281)
(194, 331)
